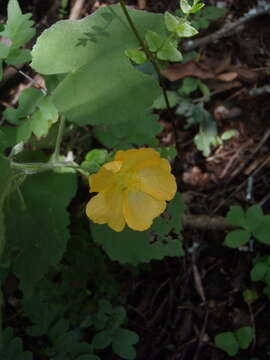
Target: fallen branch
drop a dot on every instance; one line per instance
(205, 222)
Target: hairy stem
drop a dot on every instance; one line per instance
(59, 138)
(155, 65)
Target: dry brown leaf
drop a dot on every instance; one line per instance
(191, 68)
(227, 77)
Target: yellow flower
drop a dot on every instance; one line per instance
(132, 189)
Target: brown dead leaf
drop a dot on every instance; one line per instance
(196, 177)
(227, 77)
(191, 68)
(218, 86)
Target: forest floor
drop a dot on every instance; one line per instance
(179, 307)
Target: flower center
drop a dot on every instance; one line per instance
(128, 180)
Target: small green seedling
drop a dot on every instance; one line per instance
(250, 223)
(232, 342)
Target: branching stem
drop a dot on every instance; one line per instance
(155, 65)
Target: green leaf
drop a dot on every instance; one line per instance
(11, 348)
(40, 121)
(122, 343)
(4, 50)
(133, 247)
(125, 135)
(7, 137)
(254, 217)
(94, 159)
(137, 56)
(206, 136)
(237, 238)
(5, 184)
(18, 56)
(109, 90)
(244, 336)
(154, 40)
(37, 223)
(185, 30)
(213, 12)
(160, 103)
(262, 232)
(171, 21)
(228, 134)
(185, 7)
(227, 342)
(18, 28)
(102, 340)
(237, 217)
(169, 52)
(44, 317)
(189, 85)
(27, 104)
(258, 271)
(250, 296)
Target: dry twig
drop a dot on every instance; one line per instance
(228, 29)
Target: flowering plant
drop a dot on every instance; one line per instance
(132, 189)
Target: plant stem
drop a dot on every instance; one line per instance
(35, 168)
(155, 65)
(59, 138)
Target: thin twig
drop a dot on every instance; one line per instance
(154, 63)
(202, 333)
(76, 10)
(228, 29)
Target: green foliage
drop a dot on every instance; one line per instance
(181, 28)
(250, 296)
(108, 321)
(19, 31)
(261, 272)
(7, 137)
(203, 19)
(231, 342)
(108, 95)
(137, 56)
(253, 223)
(133, 247)
(94, 159)
(35, 114)
(11, 347)
(41, 243)
(5, 183)
(188, 9)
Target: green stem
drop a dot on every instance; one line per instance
(59, 138)
(155, 65)
(35, 168)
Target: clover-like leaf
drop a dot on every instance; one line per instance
(227, 342)
(122, 344)
(244, 336)
(237, 238)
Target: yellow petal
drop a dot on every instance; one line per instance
(157, 182)
(136, 156)
(140, 209)
(105, 177)
(107, 208)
